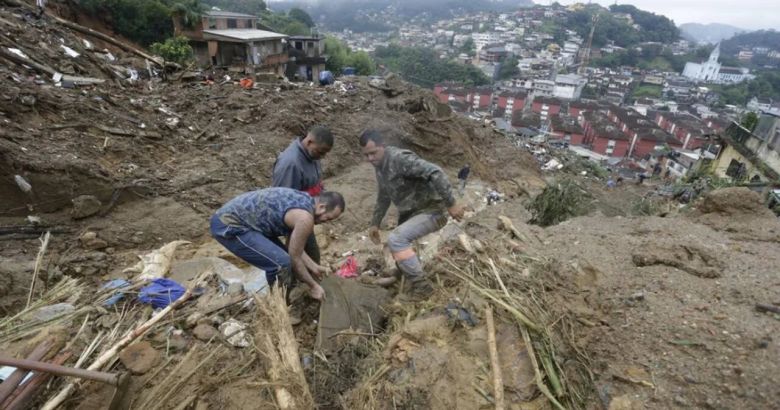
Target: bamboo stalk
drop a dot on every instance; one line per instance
(538, 373)
(498, 277)
(38, 262)
(114, 350)
(498, 380)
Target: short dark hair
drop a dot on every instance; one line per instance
(371, 134)
(332, 200)
(321, 135)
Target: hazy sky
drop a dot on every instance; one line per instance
(747, 14)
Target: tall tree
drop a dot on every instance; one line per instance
(298, 14)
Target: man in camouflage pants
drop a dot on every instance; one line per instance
(420, 190)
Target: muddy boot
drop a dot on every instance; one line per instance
(421, 288)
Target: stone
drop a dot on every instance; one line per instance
(50, 312)
(140, 357)
(85, 206)
(204, 332)
(193, 319)
(235, 289)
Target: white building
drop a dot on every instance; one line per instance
(569, 86)
(483, 39)
(711, 71)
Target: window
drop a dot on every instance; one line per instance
(232, 23)
(309, 45)
(212, 23)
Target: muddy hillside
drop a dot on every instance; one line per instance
(112, 163)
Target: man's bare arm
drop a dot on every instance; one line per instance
(302, 224)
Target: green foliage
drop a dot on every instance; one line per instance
(647, 91)
(652, 27)
(341, 56)
(189, 11)
(282, 23)
(750, 121)
(760, 38)
(142, 21)
(646, 207)
(558, 202)
(468, 47)
(298, 14)
(254, 7)
(765, 85)
(424, 67)
(176, 49)
(508, 68)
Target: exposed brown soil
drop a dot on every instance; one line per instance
(643, 312)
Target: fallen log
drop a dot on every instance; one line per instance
(13, 57)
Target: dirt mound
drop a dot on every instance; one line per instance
(735, 201)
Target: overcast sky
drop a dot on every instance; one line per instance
(747, 14)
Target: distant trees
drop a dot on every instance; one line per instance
(765, 85)
(468, 47)
(300, 15)
(141, 21)
(508, 68)
(424, 67)
(341, 56)
(254, 7)
(652, 27)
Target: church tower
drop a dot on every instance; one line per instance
(715, 54)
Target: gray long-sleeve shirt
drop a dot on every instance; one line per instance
(412, 184)
(296, 169)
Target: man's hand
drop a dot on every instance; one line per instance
(319, 271)
(456, 212)
(317, 292)
(373, 233)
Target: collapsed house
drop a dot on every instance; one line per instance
(234, 41)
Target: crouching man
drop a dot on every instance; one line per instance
(250, 225)
(421, 192)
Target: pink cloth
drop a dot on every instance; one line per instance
(349, 269)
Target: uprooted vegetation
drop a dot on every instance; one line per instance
(607, 309)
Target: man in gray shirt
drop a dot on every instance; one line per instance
(298, 167)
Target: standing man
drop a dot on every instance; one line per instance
(463, 175)
(250, 225)
(298, 167)
(421, 192)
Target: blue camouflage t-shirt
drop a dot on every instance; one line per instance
(263, 210)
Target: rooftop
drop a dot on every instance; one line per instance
(220, 13)
(241, 35)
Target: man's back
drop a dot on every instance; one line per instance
(264, 210)
(412, 184)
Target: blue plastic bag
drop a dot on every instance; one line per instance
(161, 293)
(326, 78)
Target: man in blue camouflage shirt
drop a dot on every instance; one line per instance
(250, 225)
